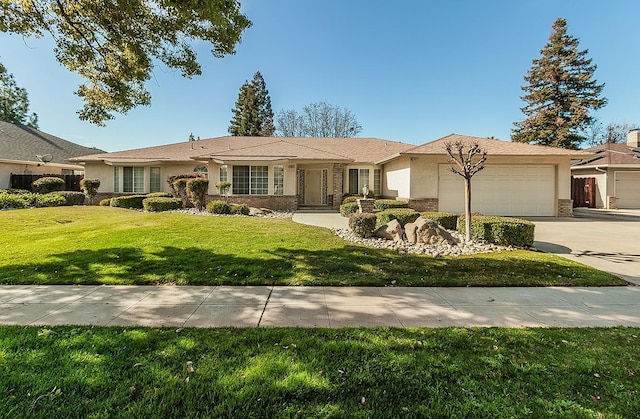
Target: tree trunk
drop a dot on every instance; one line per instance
(467, 208)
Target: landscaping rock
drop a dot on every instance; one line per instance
(427, 231)
(390, 231)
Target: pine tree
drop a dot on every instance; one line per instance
(560, 95)
(252, 115)
(14, 102)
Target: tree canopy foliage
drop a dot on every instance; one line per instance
(560, 95)
(114, 44)
(252, 115)
(318, 119)
(14, 101)
(613, 132)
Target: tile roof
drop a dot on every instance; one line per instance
(358, 150)
(22, 143)
(611, 154)
(494, 147)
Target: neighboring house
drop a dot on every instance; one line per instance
(287, 173)
(615, 170)
(28, 151)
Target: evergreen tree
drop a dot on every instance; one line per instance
(560, 94)
(252, 115)
(14, 102)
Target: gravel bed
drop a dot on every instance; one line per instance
(436, 250)
(272, 214)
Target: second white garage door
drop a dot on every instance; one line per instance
(501, 190)
(627, 189)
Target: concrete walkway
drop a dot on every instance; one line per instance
(262, 306)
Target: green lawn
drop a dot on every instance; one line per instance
(103, 245)
(138, 372)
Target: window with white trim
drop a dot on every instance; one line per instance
(252, 180)
(357, 179)
(224, 173)
(154, 179)
(278, 180)
(377, 182)
(201, 170)
(133, 179)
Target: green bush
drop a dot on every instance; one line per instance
(448, 220)
(349, 208)
(197, 189)
(90, 187)
(350, 199)
(72, 197)
(13, 200)
(403, 215)
(52, 199)
(159, 195)
(105, 202)
(240, 209)
(14, 191)
(218, 207)
(504, 231)
(385, 204)
(362, 224)
(159, 204)
(128, 201)
(47, 184)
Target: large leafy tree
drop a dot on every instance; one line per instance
(560, 95)
(14, 102)
(318, 119)
(115, 44)
(252, 114)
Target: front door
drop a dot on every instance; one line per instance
(313, 187)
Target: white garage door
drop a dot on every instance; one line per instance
(627, 189)
(501, 190)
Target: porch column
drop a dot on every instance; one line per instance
(338, 174)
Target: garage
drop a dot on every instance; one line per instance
(514, 190)
(627, 189)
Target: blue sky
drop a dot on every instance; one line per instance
(411, 71)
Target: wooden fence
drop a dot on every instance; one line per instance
(18, 181)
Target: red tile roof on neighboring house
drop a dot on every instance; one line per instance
(611, 154)
(492, 146)
(357, 150)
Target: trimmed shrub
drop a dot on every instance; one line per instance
(72, 197)
(218, 207)
(504, 231)
(50, 200)
(350, 199)
(403, 215)
(47, 184)
(362, 224)
(105, 202)
(128, 201)
(90, 187)
(159, 204)
(349, 208)
(197, 190)
(159, 195)
(178, 186)
(14, 191)
(385, 204)
(448, 220)
(223, 187)
(240, 209)
(13, 200)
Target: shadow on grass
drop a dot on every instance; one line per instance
(347, 265)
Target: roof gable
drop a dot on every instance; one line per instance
(611, 154)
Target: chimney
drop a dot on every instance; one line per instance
(633, 138)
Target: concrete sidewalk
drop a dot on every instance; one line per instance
(264, 306)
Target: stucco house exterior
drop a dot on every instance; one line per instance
(616, 171)
(28, 151)
(289, 173)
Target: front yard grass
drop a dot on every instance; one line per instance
(104, 245)
(138, 372)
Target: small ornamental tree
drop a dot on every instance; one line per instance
(223, 188)
(90, 187)
(468, 160)
(197, 190)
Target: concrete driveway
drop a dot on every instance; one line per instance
(608, 244)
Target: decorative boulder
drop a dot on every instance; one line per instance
(424, 230)
(390, 231)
